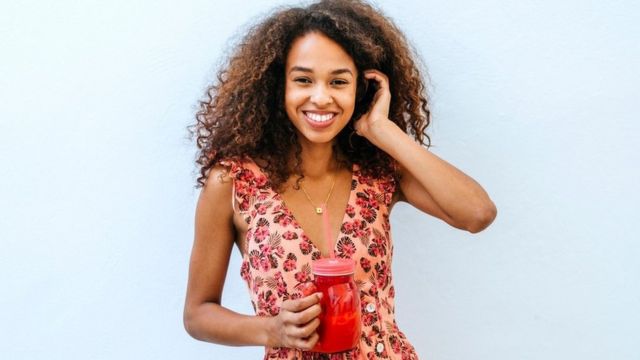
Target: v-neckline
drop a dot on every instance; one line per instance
(345, 215)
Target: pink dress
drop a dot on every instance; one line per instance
(279, 254)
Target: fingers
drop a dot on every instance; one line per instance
(301, 317)
(302, 337)
(299, 321)
(308, 329)
(379, 76)
(383, 85)
(306, 315)
(307, 344)
(302, 303)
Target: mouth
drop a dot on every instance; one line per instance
(319, 120)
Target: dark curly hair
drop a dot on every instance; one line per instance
(243, 115)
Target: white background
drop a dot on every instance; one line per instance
(533, 99)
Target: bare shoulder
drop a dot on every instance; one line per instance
(216, 193)
(214, 235)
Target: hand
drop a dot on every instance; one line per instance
(308, 288)
(295, 326)
(378, 113)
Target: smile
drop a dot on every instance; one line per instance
(319, 121)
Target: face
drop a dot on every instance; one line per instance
(320, 89)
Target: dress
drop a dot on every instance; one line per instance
(278, 258)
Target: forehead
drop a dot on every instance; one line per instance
(318, 52)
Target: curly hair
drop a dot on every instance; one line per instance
(243, 114)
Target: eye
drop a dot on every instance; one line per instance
(302, 80)
(340, 82)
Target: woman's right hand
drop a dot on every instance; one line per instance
(295, 326)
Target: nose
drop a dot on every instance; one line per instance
(321, 96)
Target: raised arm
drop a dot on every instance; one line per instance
(429, 183)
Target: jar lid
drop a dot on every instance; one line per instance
(333, 267)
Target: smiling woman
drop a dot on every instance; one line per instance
(331, 122)
(320, 88)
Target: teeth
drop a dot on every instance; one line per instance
(318, 117)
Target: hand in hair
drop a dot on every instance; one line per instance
(378, 113)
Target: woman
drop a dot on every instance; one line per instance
(314, 111)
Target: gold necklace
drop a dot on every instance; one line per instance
(319, 209)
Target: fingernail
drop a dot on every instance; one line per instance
(319, 295)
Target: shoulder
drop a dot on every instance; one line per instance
(217, 188)
(222, 172)
(236, 166)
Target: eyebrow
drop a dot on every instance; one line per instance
(334, 72)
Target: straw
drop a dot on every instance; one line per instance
(327, 230)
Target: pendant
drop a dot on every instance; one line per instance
(318, 210)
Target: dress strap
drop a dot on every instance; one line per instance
(234, 169)
(233, 195)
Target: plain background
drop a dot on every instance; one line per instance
(536, 100)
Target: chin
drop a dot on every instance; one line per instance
(317, 138)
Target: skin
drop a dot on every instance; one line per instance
(429, 183)
(311, 85)
(320, 77)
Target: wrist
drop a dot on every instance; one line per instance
(266, 337)
(381, 132)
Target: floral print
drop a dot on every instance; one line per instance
(278, 258)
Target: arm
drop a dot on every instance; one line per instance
(428, 183)
(434, 186)
(205, 318)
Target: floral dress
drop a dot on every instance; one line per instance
(278, 258)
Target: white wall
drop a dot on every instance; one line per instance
(534, 100)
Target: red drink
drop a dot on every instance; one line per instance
(339, 328)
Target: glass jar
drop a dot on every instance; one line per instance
(339, 328)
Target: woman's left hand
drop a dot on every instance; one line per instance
(378, 113)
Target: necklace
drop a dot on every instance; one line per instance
(319, 209)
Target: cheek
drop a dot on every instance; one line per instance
(292, 102)
(293, 97)
(347, 102)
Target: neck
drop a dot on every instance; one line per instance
(318, 161)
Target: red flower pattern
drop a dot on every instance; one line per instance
(290, 263)
(290, 235)
(346, 247)
(261, 233)
(365, 264)
(305, 245)
(275, 265)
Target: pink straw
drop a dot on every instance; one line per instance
(327, 230)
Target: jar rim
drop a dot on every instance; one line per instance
(333, 267)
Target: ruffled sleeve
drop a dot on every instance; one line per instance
(241, 184)
(249, 183)
(233, 166)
